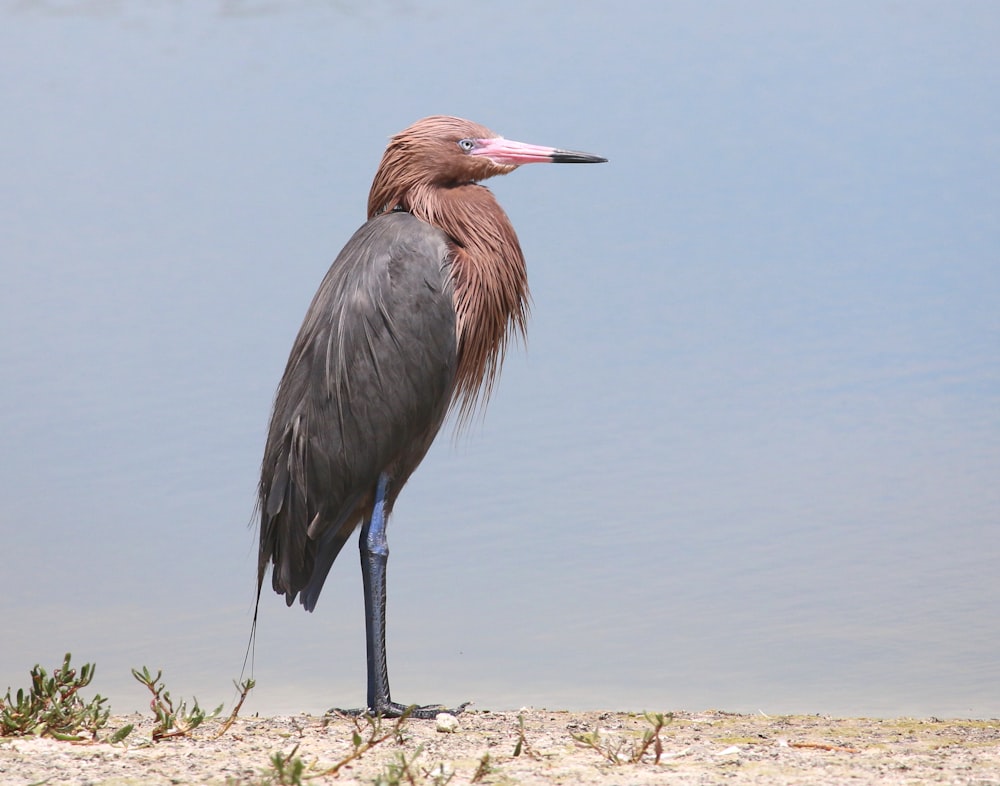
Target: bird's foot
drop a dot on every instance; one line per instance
(394, 709)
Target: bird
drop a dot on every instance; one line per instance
(411, 322)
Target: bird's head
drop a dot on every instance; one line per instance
(442, 152)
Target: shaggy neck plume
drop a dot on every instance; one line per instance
(487, 266)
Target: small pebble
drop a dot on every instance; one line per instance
(446, 723)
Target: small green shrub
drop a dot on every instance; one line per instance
(619, 751)
(171, 722)
(53, 706)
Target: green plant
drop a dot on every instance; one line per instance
(485, 768)
(286, 770)
(244, 688)
(400, 771)
(364, 739)
(171, 722)
(620, 751)
(53, 706)
(522, 745)
(440, 775)
(290, 770)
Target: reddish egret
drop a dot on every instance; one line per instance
(411, 319)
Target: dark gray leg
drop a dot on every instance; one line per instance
(374, 556)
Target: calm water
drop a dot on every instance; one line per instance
(749, 459)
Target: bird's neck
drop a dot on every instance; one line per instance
(489, 276)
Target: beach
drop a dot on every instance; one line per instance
(530, 746)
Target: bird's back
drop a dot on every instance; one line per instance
(367, 386)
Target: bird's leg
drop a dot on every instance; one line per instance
(374, 556)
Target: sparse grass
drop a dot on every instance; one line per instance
(522, 746)
(368, 733)
(401, 770)
(287, 769)
(485, 768)
(618, 750)
(440, 775)
(53, 706)
(244, 688)
(284, 769)
(171, 721)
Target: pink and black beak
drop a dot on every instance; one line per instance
(508, 152)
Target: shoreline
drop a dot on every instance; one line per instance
(531, 746)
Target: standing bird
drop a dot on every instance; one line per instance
(411, 320)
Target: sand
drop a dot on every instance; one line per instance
(696, 748)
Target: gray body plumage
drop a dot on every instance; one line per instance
(367, 386)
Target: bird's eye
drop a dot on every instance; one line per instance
(466, 144)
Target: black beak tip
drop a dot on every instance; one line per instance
(573, 157)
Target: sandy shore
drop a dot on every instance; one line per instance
(697, 748)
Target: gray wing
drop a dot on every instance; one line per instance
(366, 388)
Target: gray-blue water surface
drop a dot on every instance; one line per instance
(750, 458)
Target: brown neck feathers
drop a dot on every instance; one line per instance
(489, 274)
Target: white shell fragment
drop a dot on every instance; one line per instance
(446, 723)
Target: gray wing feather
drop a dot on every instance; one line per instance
(366, 388)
